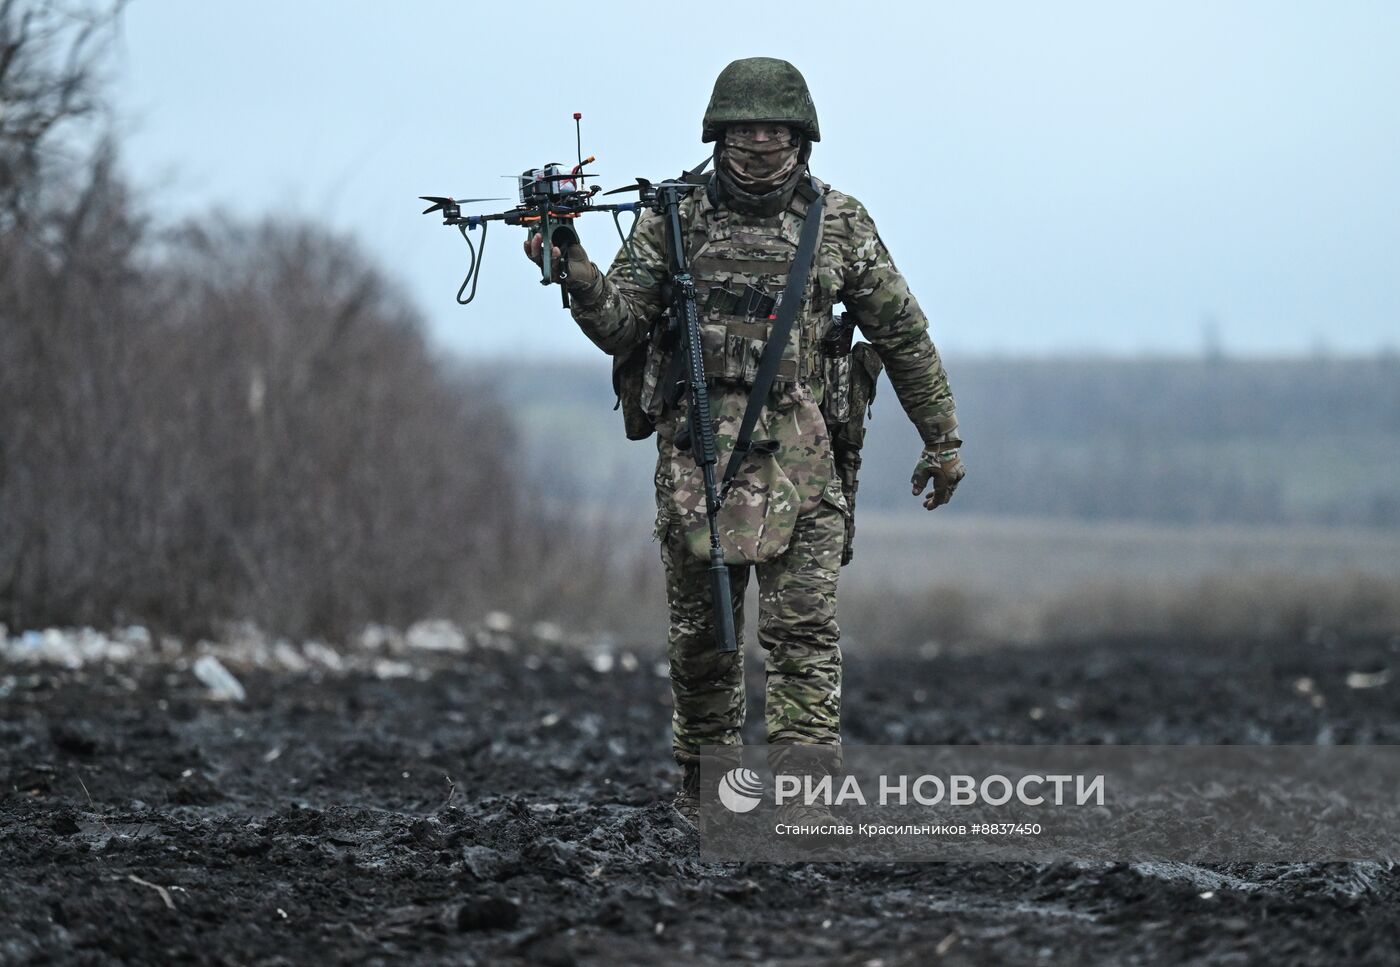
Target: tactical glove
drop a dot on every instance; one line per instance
(582, 273)
(944, 468)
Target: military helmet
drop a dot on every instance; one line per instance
(760, 89)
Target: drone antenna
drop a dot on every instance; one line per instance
(578, 137)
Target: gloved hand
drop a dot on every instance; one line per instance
(944, 468)
(582, 273)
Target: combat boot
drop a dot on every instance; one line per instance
(812, 763)
(801, 814)
(686, 805)
(816, 822)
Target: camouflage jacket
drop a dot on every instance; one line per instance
(733, 254)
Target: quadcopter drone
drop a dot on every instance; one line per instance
(549, 199)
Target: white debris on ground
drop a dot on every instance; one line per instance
(219, 680)
(385, 668)
(602, 662)
(74, 647)
(323, 655)
(383, 651)
(289, 657)
(547, 631)
(436, 636)
(380, 638)
(1368, 679)
(499, 622)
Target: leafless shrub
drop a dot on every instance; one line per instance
(245, 424)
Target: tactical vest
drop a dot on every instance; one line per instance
(740, 265)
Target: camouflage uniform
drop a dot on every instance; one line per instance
(787, 513)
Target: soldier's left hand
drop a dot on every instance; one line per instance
(945, 469)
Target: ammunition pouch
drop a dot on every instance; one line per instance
(644, 376)
(852, 373)
(733, 350)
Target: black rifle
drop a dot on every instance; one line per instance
(665, 199)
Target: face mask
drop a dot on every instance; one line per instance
(758, 166)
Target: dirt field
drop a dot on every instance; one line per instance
(316, 821)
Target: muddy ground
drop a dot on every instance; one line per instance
(142, 821)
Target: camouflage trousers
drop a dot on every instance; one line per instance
(796, 628)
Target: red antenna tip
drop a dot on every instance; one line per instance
(578, 116)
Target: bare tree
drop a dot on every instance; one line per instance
(50, 53)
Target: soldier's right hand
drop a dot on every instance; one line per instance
(534, 248)
(581, 270)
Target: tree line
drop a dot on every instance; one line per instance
(224, 420)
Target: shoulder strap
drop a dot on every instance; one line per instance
(777, 336)
(693, 174)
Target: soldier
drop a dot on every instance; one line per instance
(789, 516)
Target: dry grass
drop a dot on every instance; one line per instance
(1267, 605)
(1219, 607)
(944, 580)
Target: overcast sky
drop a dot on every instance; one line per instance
(1052, 177)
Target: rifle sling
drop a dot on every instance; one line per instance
(777, 340)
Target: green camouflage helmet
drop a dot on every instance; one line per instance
(760, 89)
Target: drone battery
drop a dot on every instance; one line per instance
(562, 182)
(530, 185)
(551, 181)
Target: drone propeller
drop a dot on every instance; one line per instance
(439, 202)
(562, 176)
(641, 185)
